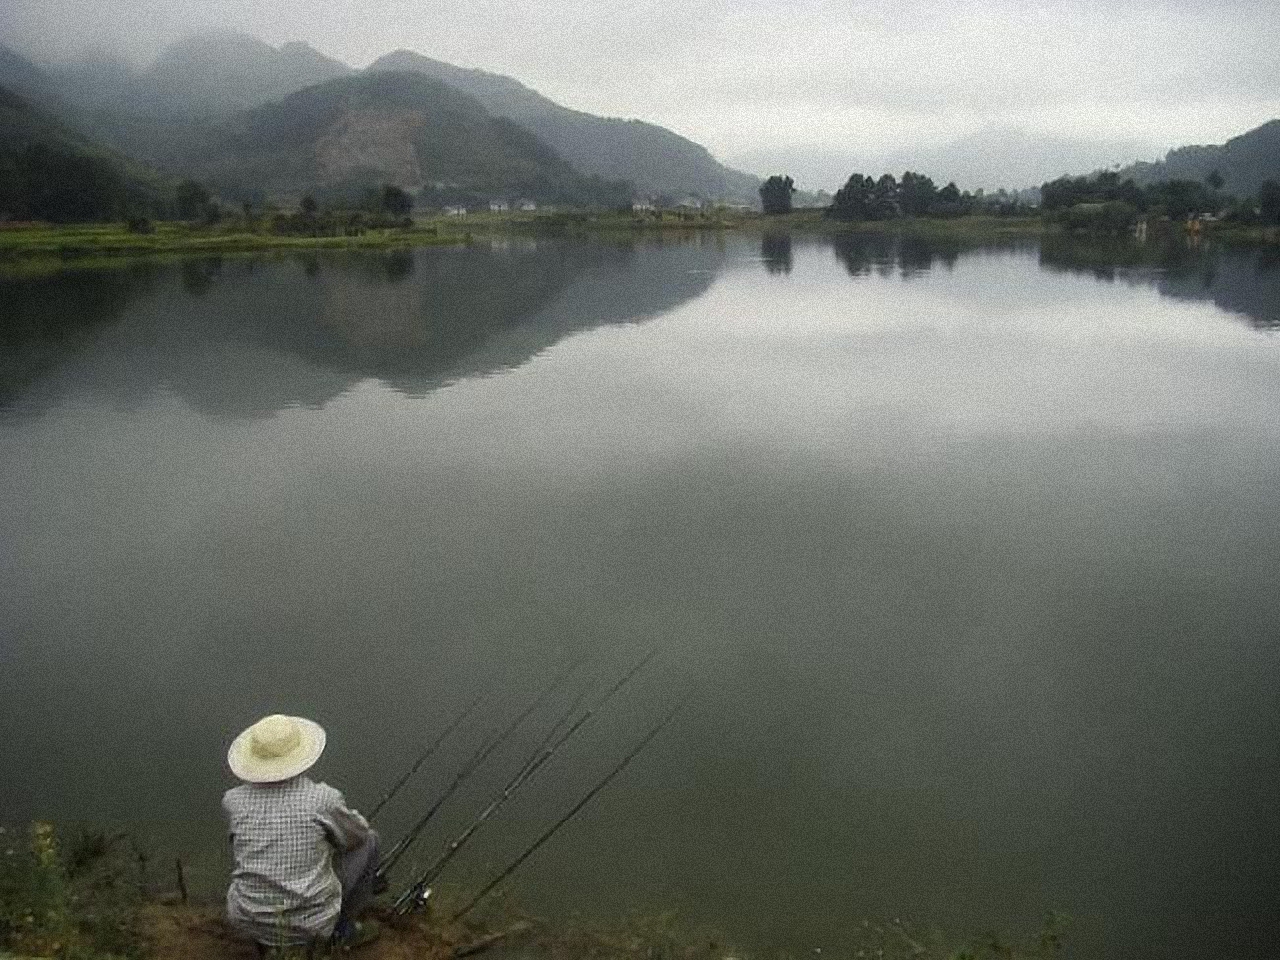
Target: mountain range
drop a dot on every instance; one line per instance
(653, 158)
(338, 137)
(251, 119)
(1243, 162)
(258, 122)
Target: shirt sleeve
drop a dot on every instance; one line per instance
(229, 811)
(345, 827)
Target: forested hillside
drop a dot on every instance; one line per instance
(656, 160)
(342, 136)
(50, 169)
(1243, 162)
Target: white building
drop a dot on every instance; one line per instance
(455, 211)
(499, 206)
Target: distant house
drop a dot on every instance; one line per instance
(528, 206)
(499, 206)
(455, 211)
(690, 203)
(642, 206)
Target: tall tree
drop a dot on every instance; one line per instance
(916, 194)
(884, 199)
(775, 194)
(396, 201)
(853, 200)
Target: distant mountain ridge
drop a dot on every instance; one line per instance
(204, 74)
(151, 113)
(234, 71)
(1243, 162)
(403, 128)
(654, 158)
(22, 77)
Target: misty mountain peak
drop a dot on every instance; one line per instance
(212, 47)
(301, 52)
(226, 70)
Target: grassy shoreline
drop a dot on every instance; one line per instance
(27, 244)
(88, 896)
(43, 240)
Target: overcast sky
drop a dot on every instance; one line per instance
(999, 90)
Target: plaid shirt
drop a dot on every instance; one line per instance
(283, 887)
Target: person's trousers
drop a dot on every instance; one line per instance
(356, 870)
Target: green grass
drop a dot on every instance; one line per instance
(73, 241)
(43, 247)
(73, 900)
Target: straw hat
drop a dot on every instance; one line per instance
(276, 748)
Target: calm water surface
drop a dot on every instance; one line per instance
(965, 557)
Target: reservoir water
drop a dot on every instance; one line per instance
(964, 557)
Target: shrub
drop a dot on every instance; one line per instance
(72, 902)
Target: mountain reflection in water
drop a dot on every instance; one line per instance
(243, 337)
(1244, 281)
(239, 337)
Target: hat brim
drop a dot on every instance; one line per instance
(253, 769)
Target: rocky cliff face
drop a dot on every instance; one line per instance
(371, 142)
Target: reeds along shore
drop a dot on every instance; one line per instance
(91, 895)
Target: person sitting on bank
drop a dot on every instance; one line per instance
(305, 863)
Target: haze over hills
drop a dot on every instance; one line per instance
(655, 159)
(998, 156)
(210, 73)
(399, 128)
(230, 109)
(1243, 162)
(49, 168)
(22, 77)
(149, 113)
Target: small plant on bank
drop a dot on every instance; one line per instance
(71, 901)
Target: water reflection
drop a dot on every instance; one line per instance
(1244, 280)
(1241, 280)
(200, 273)
(775, 251)
(907, 255)
(233, 339)
(243, 336)
(48, 320)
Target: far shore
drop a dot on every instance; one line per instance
(33, 245)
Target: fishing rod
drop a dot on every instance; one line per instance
(564, 718)
(396, 852)
(415, 891)
(422, 758)
(573, 812)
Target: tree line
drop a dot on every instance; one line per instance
(1098, 202)
(886, 198)
(1103, 201)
